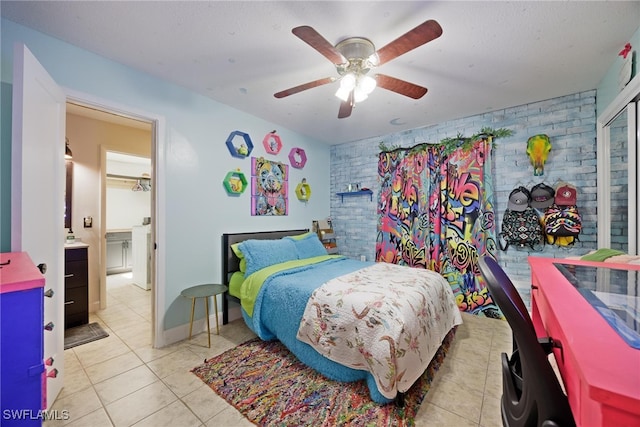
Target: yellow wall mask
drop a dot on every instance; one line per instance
(538, 147)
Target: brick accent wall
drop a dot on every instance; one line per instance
(570, 123)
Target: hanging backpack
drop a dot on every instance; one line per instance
(521, 229)
(562, 224)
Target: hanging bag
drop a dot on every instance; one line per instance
(522, 230)
(562, 224)
(521, 224)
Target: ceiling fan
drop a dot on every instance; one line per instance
(354, 57)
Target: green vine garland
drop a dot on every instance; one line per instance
(451, 144)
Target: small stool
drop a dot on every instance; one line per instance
(204, 291)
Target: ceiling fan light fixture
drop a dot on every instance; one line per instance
(348, 82)
(361, 85)
(356, 48)
(372, 61)
(354, 57)
(359, 94)
(367, 84)
(343, 93)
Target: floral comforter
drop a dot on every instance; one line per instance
(386, 319)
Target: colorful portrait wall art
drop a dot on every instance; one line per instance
(269, 187)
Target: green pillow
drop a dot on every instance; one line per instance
(243, 262)
(301, 236)
(237, 279)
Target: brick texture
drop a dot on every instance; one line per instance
(570, 123)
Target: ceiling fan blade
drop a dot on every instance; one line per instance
(319, 43)
(400, 86)
(346, 107)
(420, 35)
(305, 86)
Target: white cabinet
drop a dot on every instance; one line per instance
(119, 252)
(141, 255)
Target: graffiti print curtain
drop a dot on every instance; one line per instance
(436, 211)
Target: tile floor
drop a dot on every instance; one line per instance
(122, 381)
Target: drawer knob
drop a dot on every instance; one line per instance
(49, 326)
(49, 361)
(49, 293)
(52, 373)
(42, 267)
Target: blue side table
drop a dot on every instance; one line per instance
(204, 291)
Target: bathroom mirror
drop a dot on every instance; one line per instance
(68, 193)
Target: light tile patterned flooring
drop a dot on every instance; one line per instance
(122, 381)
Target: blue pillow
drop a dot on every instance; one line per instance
(263, 253)
(308, 246)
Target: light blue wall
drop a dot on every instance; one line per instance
(608, 87)
(193, 162)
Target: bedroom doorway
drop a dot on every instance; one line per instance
(126, 136)
(128, 239)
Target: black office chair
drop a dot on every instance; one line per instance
(531, 393)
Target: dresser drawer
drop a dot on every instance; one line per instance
(79, 319)
(75, 274)
(76, 254)
(75, 300)
(76, 287)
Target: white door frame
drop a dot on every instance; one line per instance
(158, 206)
(623, 101)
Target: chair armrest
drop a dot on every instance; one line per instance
(547, 344)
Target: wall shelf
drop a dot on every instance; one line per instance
(244, 144)
(356, 193)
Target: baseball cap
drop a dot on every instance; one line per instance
(566, 195)
(519, 199)
(542, 196)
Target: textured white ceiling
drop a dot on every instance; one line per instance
(491, 55)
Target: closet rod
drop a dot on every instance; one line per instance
(135, 178)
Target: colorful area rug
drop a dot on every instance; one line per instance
(270, 387)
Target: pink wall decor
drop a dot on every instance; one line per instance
(272, 142)
(297, 157)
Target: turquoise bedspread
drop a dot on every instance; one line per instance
(279, 306)
(251, 286)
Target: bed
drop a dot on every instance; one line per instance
(349, 320)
